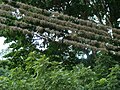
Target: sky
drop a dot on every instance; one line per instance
(3, 46)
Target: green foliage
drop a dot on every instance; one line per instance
(42, 74)
(4, 63)
(16, 80)
(114, 78)
(83, 9)
(111, 81)
(47, 76)
(107, 71)
(0, 1)
(103, 63)
(26, 68)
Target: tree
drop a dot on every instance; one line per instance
(57, 67)
(106, 11)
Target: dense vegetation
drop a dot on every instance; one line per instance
(58, 68)
(104, 10)
(39, 73)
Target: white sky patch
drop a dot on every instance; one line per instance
(69, 31)
(70, 48)
(3, 47)
(94, 18)
(17, 14)
(56, 39)
(85, 56)
(104, 19)
(38, 40)
(110, 32)
(60, 38)
(119, 25)
(91, 2)
(107, 13)
(90, 52)
(81, 56)
(118, 19)
(107, 44)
